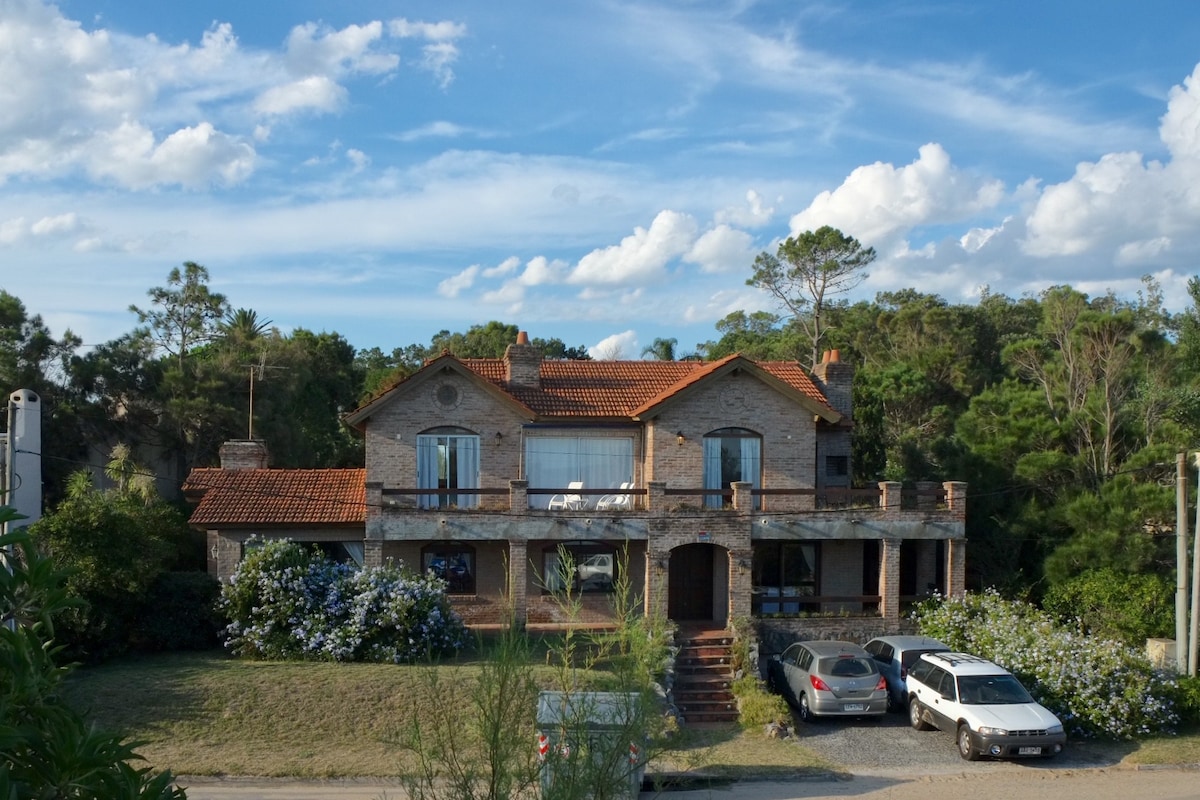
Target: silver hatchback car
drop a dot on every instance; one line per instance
(829, 678)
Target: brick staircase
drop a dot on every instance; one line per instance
(703, 673)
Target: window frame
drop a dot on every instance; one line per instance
(763, 561)
(447, 443)
(718, 456)
(580, 551)
(448, 550)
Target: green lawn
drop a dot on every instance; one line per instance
(208, 714)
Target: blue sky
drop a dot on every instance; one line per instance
(603, 172)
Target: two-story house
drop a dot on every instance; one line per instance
(714, 490)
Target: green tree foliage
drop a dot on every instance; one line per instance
(1116, 604)
(31, 358)
(661, 349)
(806, 271)
(47, 750)
(113, 546)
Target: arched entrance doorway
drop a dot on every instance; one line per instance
(698, 583)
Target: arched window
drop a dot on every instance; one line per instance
(447, 458)
(589, 567)
(452, 562)
(731, 454)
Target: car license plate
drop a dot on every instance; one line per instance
(854, 707)
(1029, 751)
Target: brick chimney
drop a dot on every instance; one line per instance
(522, 363)
(834, 378)
(237, 454)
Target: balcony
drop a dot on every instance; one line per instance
(659, 500)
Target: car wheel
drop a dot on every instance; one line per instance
(966, 748)
(894, 706)
(915, 716)
(806, 712)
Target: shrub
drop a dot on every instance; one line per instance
(1096, 686)
(179, 613)
(758, 707)
(286, 602)
(1116, 605)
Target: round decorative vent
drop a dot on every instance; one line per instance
(447, 396)
(733, 399)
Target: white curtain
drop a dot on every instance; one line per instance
(752, 464)
(355, 551)
(427, 470)
(551, 462)
(712, 470)
(468, 468)
(434, 469)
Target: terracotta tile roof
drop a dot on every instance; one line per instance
(610, 389)
(277, 496)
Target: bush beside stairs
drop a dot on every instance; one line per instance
(703, 677)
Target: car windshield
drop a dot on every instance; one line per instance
(988, 690)
(847, 667)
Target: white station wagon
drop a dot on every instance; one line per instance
(983, 705)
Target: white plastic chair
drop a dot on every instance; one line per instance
(616, 502)
(568, 501)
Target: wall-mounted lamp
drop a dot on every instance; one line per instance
(680, 438)
(499, 437)
(659, 563)
(216, 551)
(743, 563)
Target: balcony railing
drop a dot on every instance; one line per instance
(659, 498)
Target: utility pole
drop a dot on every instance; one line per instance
(1181, 565)
(1191, 666)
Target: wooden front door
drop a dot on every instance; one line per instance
(690, 596)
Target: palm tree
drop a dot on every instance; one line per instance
(243, 326)
(661, 350)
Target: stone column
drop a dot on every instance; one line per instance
(656, 497)
(656, 583)
(372, 553)
(889, 495)
(956, 499)
(741, 584)
(518, 497)
(518, 578)
(956, 567)
(889, 580)
(742, 499)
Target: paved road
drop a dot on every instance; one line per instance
(1007, 782)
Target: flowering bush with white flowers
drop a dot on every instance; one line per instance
(1097, 687)
(286, 602)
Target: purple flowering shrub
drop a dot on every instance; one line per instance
(1096, 686)
(285, 602)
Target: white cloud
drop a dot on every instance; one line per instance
(191, 157)
(879, 202)
(315, 92)
(723, 249)
(505, 267)
(754, 214)
(358, 158)
(55, 226)
(314, 49)
(440, 53)
(434, 130)
(640, 256)
(619, 346)
(455, 285)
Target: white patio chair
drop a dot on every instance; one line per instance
(568, 501)
(616, 502)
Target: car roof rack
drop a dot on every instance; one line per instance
(954, 659)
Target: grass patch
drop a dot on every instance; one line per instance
(210, 714)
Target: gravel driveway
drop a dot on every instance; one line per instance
(874, 746)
